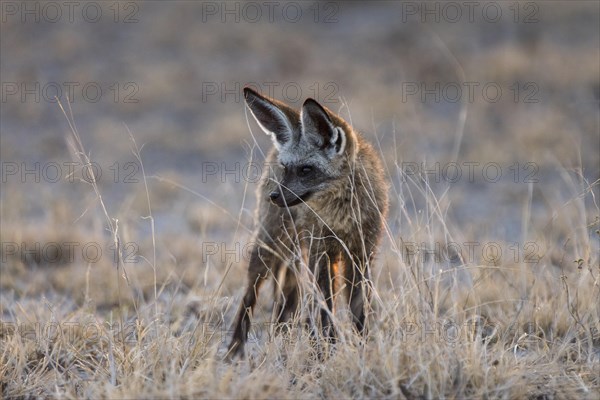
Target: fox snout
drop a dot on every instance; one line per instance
(274, 196)
(283, 197)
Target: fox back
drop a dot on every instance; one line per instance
(322, 190)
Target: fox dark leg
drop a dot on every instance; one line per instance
(286, 295)
(358, 290)
(261, 262)
(322, 264)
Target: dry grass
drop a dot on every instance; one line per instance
(444, 324)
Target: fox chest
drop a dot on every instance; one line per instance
(339, 216)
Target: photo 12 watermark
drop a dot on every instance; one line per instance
(52, 92)
(28, 12)
(72, 331)
(254, 12)
(454, 12)
(69, 172)
(471, 252)
(470, 172)
(467, 252)
(67, 252)
(469, 92)
(290, 92)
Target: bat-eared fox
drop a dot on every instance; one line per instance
(322, 202)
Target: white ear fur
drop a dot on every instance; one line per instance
(339, 136)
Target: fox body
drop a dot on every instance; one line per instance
(322, 191)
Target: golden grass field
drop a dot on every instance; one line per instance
(487, 283)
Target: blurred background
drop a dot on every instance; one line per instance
(491, 109)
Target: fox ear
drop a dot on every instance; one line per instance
(269, 116)
(318, 127)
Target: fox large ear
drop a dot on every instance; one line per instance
(318, 127)
(269, 117)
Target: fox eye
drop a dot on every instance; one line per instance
(304, 170)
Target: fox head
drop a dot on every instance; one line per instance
(315, 146)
